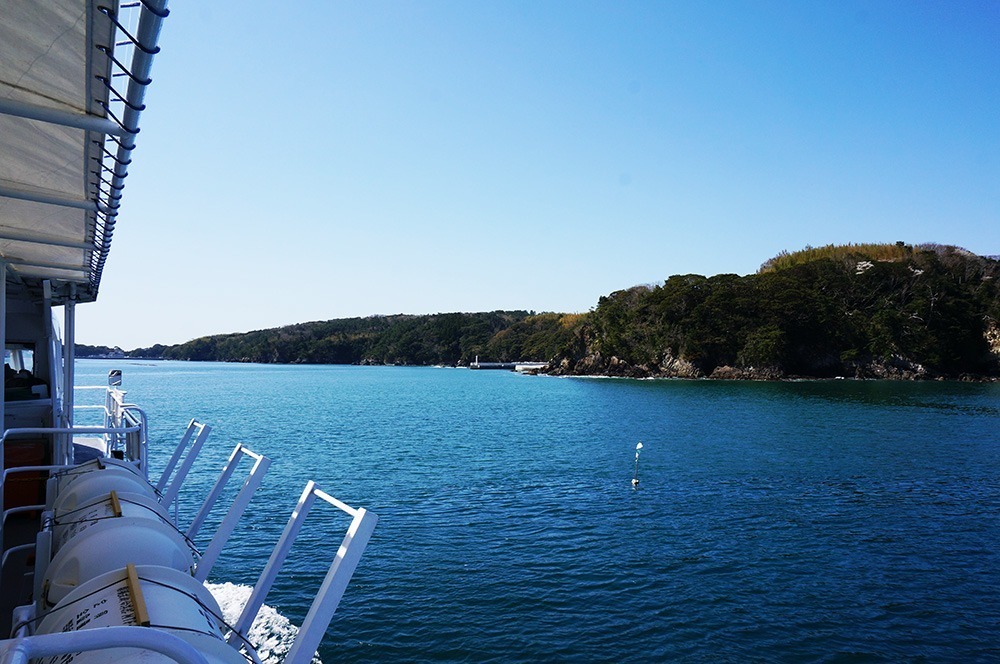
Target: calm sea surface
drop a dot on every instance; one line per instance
(831, 521)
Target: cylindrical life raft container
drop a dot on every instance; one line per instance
(109, 545)
(161, 598)
(70, 475)
(67, 524)
(74, 488)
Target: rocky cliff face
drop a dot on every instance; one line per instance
(594, 364)
(894, 368)
(583, 360)
(993, 338)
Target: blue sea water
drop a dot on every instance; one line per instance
(835, 521)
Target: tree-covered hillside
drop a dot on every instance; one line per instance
(453, 338)
(872, 310)
(867, 310)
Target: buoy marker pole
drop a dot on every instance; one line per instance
(635, 477)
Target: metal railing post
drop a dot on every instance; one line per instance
(3, 349)
(332, 590)
(273, 566)
(69, 358)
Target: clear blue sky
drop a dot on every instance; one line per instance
(318, 159)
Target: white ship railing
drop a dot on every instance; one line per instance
(125, 431)
(125, 426)
(61, 454)
(23, 650)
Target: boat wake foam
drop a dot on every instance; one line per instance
(272, 634)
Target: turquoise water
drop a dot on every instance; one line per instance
(791, 522)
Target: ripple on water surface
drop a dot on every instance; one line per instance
(827, 521)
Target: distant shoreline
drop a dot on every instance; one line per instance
(964, 378)
(790, 379)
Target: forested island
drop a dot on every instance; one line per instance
(865, 311)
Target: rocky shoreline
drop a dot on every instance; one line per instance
(895, 368)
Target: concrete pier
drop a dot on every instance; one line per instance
(508, 366)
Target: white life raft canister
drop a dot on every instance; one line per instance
(80, 488)
(110, 545)
(70, 475)
(173, 601)
(67, 524)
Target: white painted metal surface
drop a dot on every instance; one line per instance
(334, 584)
(72, 84)
(175, 603)
(189, 447)
(236, 510)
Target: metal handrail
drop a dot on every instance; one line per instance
(30, 469)
(23, 509)
(139, 448)
(15, 549)
(61, 444)
(63, 455)
(40, 430)
(28, 648)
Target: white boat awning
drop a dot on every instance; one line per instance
(73, 75)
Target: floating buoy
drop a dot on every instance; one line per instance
(635, 478)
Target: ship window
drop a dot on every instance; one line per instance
(20, 357)
(20, 381)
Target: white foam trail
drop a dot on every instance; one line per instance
(272, 634)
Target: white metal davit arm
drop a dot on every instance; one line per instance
(200, 433)
(334, 584)
(240, 503)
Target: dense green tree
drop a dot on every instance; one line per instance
(817, 312)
